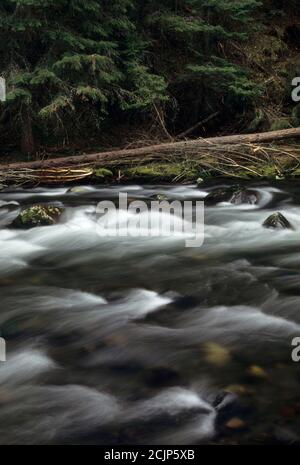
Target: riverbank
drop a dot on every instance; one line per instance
(269, 162)
(267, 155)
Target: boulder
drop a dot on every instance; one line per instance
(38, 215)
(244, 196)
(277, 221)
(236, 195)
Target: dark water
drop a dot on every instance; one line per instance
(142, 340)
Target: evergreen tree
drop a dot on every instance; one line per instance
(76, 67)
(63, 65)
(195, 38)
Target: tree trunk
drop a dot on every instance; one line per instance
(27, 139)
(138, 155)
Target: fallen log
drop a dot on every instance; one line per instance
(188, 147)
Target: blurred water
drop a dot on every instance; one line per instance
(141, 340)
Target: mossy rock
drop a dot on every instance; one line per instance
(38, 215)
(277, 221)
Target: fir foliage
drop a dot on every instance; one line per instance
(78, 66)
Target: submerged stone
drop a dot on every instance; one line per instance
(257, 372)
(160, 197)
(78, 190)
(216, 354)
(277, 221)
(38, 215)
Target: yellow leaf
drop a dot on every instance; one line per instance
(235, 423)
(257, 372)
(216, 354)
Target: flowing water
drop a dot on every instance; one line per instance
(140, 340)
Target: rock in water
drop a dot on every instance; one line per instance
(38, 215)
(159, 197)
(236, 195)
(244, 196)
(79, 190)
(218, 195)
(10, 206)
(277, 221)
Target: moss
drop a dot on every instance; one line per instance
(102, 173)
(296, 115)
(243, 174)
(38, 215)
(280, 123)
(296, 172)
(163, 172)
(189, 171)
(259, 122)
(269, 171)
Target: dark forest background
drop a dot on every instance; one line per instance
(107, 73)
